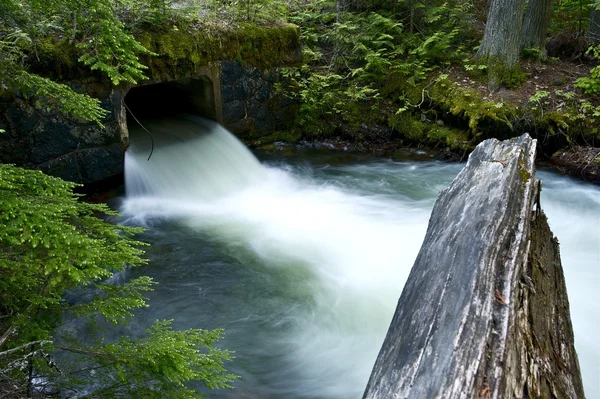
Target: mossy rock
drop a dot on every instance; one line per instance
(467, 104)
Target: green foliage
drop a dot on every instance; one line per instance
(357, 58)
(97, 33)
(563, 113)
(259, 46)
(497, 73)
(419, 132)
(531, 53)
(570, 16)
(591, 84)
(157, 366)
(51, 243)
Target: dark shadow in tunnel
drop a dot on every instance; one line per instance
(190, 96)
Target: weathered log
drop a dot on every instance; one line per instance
(484, 313)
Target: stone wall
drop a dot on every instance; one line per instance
(251, 105)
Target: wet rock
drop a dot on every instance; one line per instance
(92, 136)
(243, 89)
(234, 111)
(227, 94)
(66, 167)
(96, 164)
(231, 71)
(50, 140)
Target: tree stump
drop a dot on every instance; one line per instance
(484, 313)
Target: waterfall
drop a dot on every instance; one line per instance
(173, 154)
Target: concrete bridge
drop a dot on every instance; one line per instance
(228, 76)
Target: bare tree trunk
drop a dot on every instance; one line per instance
(501, 38)
(535, 25)
(349, 5)
(594, 29)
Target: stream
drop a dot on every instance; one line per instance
(301, 254)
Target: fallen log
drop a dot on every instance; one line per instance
(484, 312)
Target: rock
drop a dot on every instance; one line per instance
(243, 89)
(241, 127)
(96, 164)
(230, 72)
(234, 111)
(227, 94)
(66, 167)
(51, 140)
(474, 320)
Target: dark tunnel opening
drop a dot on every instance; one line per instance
(190, 96)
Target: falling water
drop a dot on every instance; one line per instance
(302, 262)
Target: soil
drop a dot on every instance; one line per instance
(556, 78)
(550, 77)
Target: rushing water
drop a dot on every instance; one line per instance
(302, 258)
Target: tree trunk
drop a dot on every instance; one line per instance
(594, 29)
(484, 312)
(349, 5)
(535, 25)
(499, 48)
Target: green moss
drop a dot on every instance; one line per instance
(513, 78)
(456, 140)
(178, 52)
(523, 174)
(467, 104)
(499, 73)
(408, 126)
(289, 136)
(421, 133)
(182, 50)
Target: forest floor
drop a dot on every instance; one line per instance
(551, 77)
(556, 78)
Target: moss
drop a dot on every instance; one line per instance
(417, 132)
(467, 104)
(455, 139)
(182, 50)
(523, 173)
(513, 78)
(408, 126)
(289, 136)
(499, 73)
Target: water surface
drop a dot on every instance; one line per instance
(302, 258)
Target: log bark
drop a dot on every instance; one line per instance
(593, 33)
(484, 313)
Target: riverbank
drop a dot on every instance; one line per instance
(453, 111)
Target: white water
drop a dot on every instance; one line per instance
(341, 249)
(195, 159)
